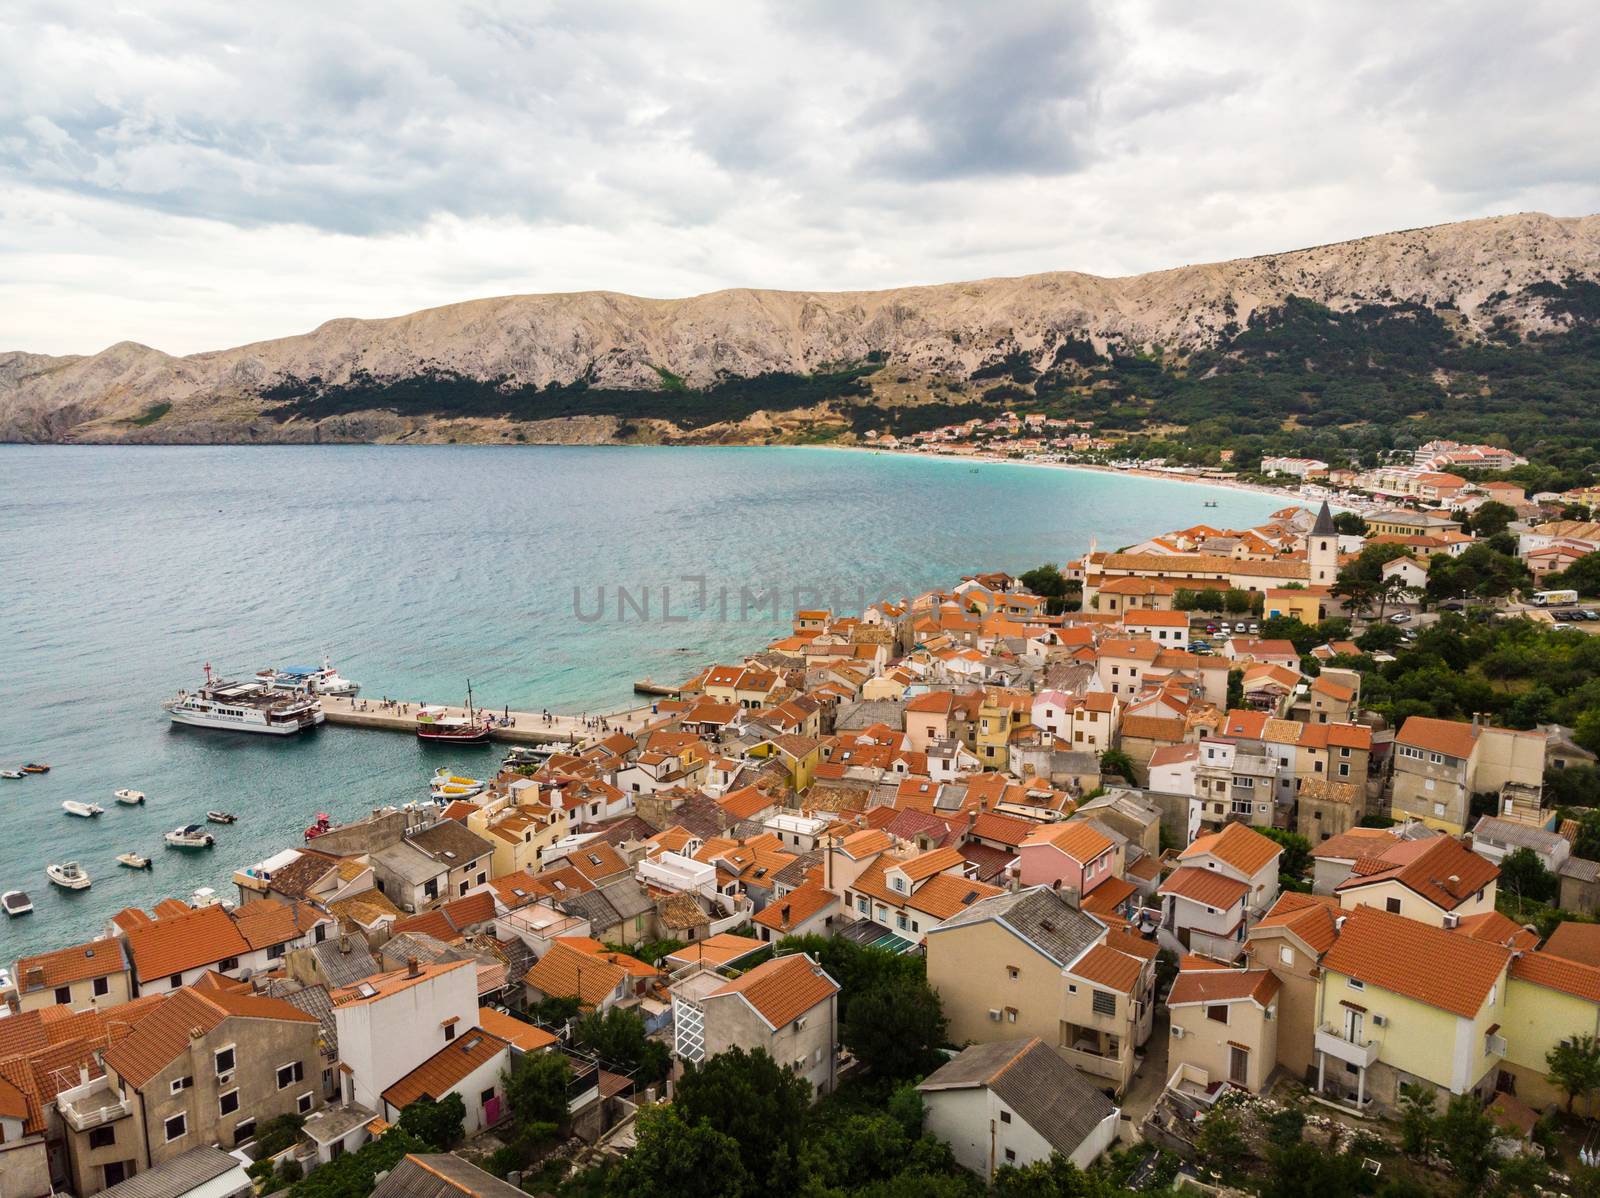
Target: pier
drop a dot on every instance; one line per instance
(526, 727)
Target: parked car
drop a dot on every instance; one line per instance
(1400, 617)
(1255, 629)
(1589, 613)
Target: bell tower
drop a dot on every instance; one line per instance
(1322, 549)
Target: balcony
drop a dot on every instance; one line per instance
(1331, 1040)
(92, 1104)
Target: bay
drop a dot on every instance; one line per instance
(124, 569)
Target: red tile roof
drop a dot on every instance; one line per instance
(1223, 985)
(177, 943)
(163, 1035)
(1443, 969)
(782, 989)
(1205, 886)
(1557, 973)
(1311, 917)
(1105, 966)
(96, 959)
(1237, 845)
(446, 1069)
(1437, 868)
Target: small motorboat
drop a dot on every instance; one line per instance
(68, 875)
(12, 774)
(16, 902)
(134, 860)
(324, 823)
(36, 767)
(83, 810)
(129, 798)
(190, 836)
(446, 786)
(221, 817)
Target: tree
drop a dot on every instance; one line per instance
(1115, 761)
(536, 1086)
(1049, 582)
(1491, 518)
(1418, 1119)
(1524, 875)
(1235, 689)
(1221, 1143)
(1582, 576)
(676, 1157)
(1587, 842)
(436, 1122)
(1056, 1177)
(619, 1036)
(1350, 524)
(1574, 1066)
(1575, 786)
(761, 1105)
(354, 1174)
(1306, 1171)
(895, 1027)
(1237, 602)
(1296, 859)
(1466, 1139)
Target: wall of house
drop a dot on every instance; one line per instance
(968, 966)
(731, 1022)
(1412, 904)
(1444, 806)
(383, 1040)
(1208, 1044)
(1297, 1000)
(1536, 1020)
(1077, 1007)
(86, 1164)
(119, 988)
(486, 1077)
(260, 1046)
(24, 1163)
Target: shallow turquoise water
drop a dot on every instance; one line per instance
(123, 570)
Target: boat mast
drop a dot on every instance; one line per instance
(469, 701)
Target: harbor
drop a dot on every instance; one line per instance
(512, 727)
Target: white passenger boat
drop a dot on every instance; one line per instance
(245, 707)
(68, 875)
(83, 810)
(190, 836)
(133, 860)
(312, 680)
(129, 798)
(16, 902)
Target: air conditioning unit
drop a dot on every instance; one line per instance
(1379, 1021)
(224, 1078)
(1452, 920)
(1179, 1032)
(994, 1014)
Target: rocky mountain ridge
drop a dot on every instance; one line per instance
(613, 343)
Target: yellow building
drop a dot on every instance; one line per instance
(1403, 1001)
(1224, 1025)
(1548, 1000)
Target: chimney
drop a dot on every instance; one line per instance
(785, 913)
(344, 943)
(412, 969)
(1476, 717)
(197, 1033)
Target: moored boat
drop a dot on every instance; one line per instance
(437, 724)
(12, 774)
(221, 817)
(245, 707)
(16, 902)
(525, 755)
(323, 823)
(68, 875)
(190, 836)
(313, 680)
(36, 767)
(447, 786)
(129, 798)
(82, 810)
(134, 860)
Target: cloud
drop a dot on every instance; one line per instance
(196, 175)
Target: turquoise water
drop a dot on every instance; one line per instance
(123, 570)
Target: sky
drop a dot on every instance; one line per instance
(193, 176)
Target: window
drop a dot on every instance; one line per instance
(63, 994)
(225, 1060)
(180, 1084)
(1392, 906)
(243, 1130)
(1104, 1002)
(228, 963)
(288, 1074)
(228, 1103)
(177, 981)
(304, 1103)
(1286, 954)
(1217, 1013)
(103, 1137)
(1011, 1014)
(486, 1097)
(449, 1032)
(275, 952)
(1011, 1156)
(1355, 983)
(177, 1127)
(1005, 1116)
(102, 987)
(1013, 972)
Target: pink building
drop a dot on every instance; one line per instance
(1076, 854)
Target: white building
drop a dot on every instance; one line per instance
(393, 1022)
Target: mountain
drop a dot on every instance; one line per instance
(763, 365)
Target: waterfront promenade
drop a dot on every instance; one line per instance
(525, 727)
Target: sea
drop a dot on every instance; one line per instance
(544, 577)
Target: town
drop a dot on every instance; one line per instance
(1208, 860)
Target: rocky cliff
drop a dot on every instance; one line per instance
(599, 366)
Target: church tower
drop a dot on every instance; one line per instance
(1322, 549)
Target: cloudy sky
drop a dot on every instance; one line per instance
(198, 175)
